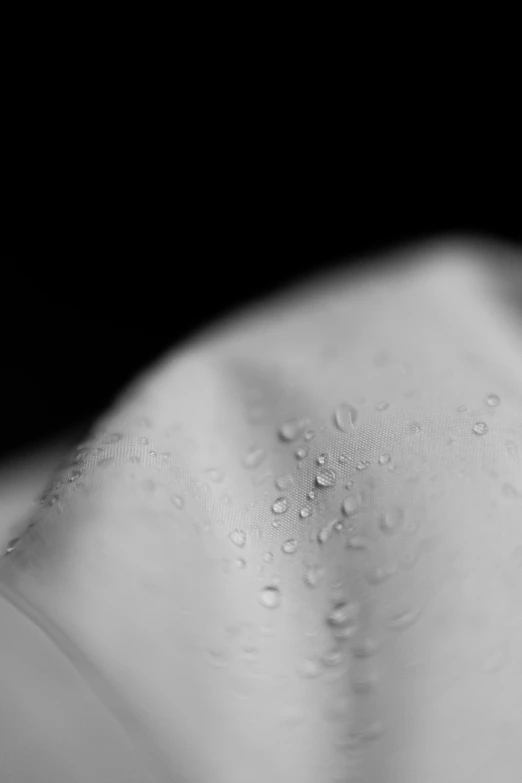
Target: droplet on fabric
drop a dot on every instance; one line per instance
(313, 575)
(351, 505)
(291, 429)
(290, 546)
(325, 478)
(305, 512)
(384, 459)
(345, 417)
(480, 428)
(280, 505)
(391, 520)
(301, 452)
(284, 482)
(493, 400)
(238, 537)
(270, 597)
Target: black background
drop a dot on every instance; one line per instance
(114, 251)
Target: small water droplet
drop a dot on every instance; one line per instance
(290, 430)
(493, 400)
(325, 478)
(142, 441)
(480, 428)
(342, 458)
(333, 657)
(305, 512)
(357, 542)
(509, 491)
(324, 534)
(362, 464)
(384, 459)
(309, 435)
(403, 620)
(285, 482)
(177, 500)
(12, 545)
(345, 417)
(254, 457)
(391, 520)
(313, 575)
(238, 537)
(268, 557)
(289, 546)
(339, 526)
(382, 405)
(365, 648)
(280, 505)
(321, 459)
(270, 597)
(344, 615)
(351, 505)
(301, 452)
(311, 495)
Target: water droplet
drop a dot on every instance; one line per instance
(238, 537)
(270, 597)
(301, 452)
(254, 457)
(344, 616)
(351, 505)
(268, 557)
(384, 459)
(305, 512)
(509, 491)
(391, 520)
(332, 657)
(285, 482)
(480, 428)
(403, 620)
(339, 526)
(357, 542)
(309, 668)
(324, 534)
(382, 405)
(362, 464)
(345, 417)
(311, 495)
(280, 505)
(290, 430)
(325, 478)
(493, 400)
(309, 435)
(177, 501)
(290, 546)
(313, 575)
(12, 545)
(321, 459)
(142, 441)
(241, 563)
(365, 648)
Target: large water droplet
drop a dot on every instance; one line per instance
(253, 457)
(351, 505)
(285, 482)
(325, 478)
(270, 597)
(345, 417)
(391, 520)
(280, 505)
(290, 546)
(480, 428)
(493, 400)
(313, 575)
(238, 537)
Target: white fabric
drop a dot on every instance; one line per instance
(153, 559)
